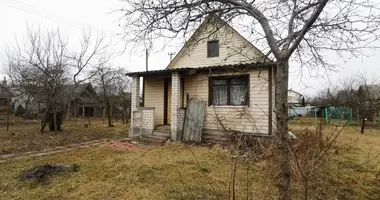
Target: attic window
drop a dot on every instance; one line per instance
(213, 48)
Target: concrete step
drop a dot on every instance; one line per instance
(145, 140)
(156, 137)
(161, 134)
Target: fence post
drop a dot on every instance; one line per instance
(8, 112)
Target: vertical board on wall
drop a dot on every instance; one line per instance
(194, 121)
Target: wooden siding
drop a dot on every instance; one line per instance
(154, 97)
(252, 119)
(234, 49)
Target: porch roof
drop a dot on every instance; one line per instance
(243, 66)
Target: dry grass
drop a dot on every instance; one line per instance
(154, 174)
(353, 170)
(356, 171)
(26, 136)
(171, 172)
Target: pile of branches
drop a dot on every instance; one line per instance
(43, 173)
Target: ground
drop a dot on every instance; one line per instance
(25, 135)
(178, 171)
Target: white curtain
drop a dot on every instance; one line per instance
(219, 91)
(238, 91)
(220, 95)
(238, 94)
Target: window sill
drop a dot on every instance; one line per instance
(228, 106)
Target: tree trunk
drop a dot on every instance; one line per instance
(282, 139)
(123, 116)
(69, 108)
(55, 121)
(27, 105)
(363, 125)
(109, 113)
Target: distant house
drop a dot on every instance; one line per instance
(84, 101)
(294, 98)
(5, 99)
(221, 70)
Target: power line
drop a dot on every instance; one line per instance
(48, 15)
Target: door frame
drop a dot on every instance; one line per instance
(166, 87)
(168, 81)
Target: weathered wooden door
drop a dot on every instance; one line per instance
(194, 121)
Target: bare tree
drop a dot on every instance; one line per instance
(370, 89)
(112, 84)
(359, 92)
(296, 30)
(25, 80)
(45, 62)
(91, 55)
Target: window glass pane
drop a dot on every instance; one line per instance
(219, 82)
(239, 80)
(238, 95)
(219, 95)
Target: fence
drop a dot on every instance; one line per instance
(301, 111)
(327, 112)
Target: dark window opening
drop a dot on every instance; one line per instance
(213, 48)
(229, 90)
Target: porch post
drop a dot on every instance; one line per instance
(135, 98)
(176, 84)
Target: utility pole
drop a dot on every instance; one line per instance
(171, 55)
(146, 69)
(146, 59)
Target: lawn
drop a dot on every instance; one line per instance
(25, 135)
(177, 171)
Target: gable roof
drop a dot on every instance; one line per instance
(290, 90)
(219, 21)
(75, 90)
(5, 93)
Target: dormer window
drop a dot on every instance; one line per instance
(213, 48)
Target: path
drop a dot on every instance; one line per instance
(124, 144)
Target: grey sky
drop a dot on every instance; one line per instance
(72, 17)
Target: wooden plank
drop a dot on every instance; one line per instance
(194, 121)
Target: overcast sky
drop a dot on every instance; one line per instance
(74, 16)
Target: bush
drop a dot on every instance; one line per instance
(19, 110)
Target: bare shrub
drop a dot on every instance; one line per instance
(311, 154)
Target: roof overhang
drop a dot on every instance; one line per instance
(212, 69)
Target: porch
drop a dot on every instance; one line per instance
(161, 114)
